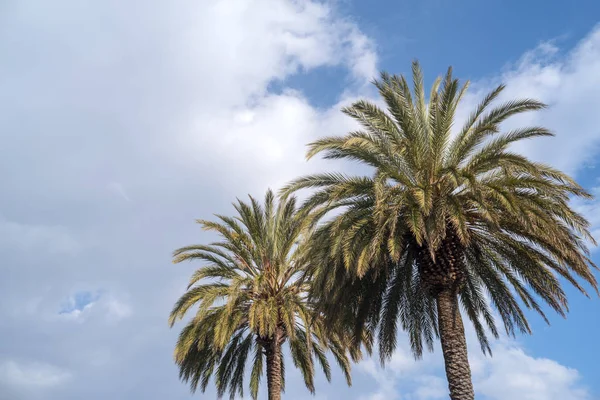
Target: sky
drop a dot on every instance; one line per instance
(123, 122)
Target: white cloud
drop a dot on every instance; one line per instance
(118, 189)
(430, 387)
(32, 374)
(77, 314)
(567, 83)
(116, 309)
(253, 43)
(83, 305)
(167, 105)
(590, 209)
(265, 144)
(384, 379)
(510, 374)
(513, 374)
(25, 237)
(197, 72)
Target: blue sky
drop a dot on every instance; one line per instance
(122, 122)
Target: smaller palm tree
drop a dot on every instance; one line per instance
(251, 298)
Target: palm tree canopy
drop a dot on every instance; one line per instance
(253, 284)
(436, 193)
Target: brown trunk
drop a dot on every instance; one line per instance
(445, 270)
(454, 346)
(273, 350)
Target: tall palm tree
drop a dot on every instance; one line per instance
(252, 298)
(447, 223)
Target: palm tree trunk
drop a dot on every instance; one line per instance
(454, 346)
(273, 351)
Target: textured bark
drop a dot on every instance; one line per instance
(454, 346)
(445, 270)
(273, 351)
(443, 275)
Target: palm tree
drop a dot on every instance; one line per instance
(251, 298)
(448, 222)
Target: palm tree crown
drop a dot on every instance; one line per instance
(445, 214)
(251, 298)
